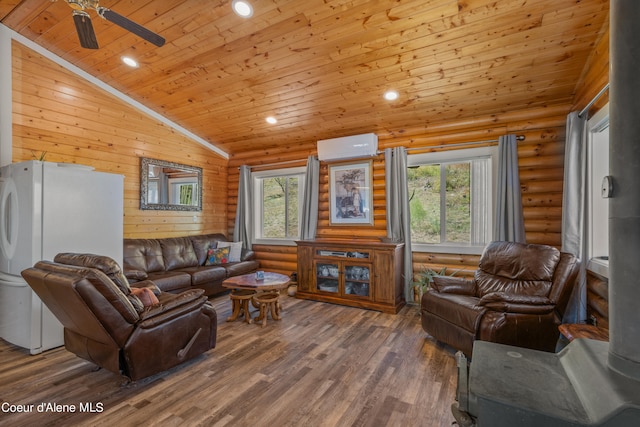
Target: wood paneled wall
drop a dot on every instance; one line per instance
(541, 157)
(74, 121)
(541, 163)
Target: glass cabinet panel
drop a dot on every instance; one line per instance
(356, 280)
(327, 277)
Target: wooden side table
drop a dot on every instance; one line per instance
(581, 330)
(268, 302)
(240, 299)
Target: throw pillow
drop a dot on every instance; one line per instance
(236, 250)
(217, 256)
(145, 295)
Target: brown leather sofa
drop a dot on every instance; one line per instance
(176, 264)
(106, 323)
(516, 297)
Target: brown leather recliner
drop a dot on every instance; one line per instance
(516, 297)
(108, 323)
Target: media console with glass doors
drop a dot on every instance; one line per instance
(365, 274)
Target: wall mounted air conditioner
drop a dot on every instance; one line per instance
(348, 147)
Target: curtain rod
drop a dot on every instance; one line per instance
(593, 101)
(462, 144)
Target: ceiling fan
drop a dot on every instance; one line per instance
(85, 29)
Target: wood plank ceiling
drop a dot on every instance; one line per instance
(321, 66)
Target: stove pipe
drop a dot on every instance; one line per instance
(624, 206)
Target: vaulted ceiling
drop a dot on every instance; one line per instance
(321, 66)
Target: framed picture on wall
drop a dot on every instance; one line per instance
(350, 194)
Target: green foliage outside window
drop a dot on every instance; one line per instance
(426, 201)
(280, 204)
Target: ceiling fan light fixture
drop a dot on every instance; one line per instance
(130, 62)
(242, 8)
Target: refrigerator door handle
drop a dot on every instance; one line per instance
(8, 217)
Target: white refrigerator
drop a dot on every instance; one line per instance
(47, 208)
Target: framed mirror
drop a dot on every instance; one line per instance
(170, 186)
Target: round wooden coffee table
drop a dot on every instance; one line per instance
(272, 283)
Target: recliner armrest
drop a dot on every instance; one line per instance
(171, 306)
(510, 303)
(454, 285)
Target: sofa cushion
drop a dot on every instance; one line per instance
(178, 253)
(202, 275)
(143, 255)
(202, 243)
(169, 281)
(244, 267)
(236, 250)
(217, 256)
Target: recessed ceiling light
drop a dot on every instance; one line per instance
(242, 8)
(272, 120)
(130, 61)
(391, 95)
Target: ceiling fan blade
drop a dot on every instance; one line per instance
(84, 27)
(129, 25)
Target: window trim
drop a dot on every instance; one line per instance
(598, 123)
(460, 155)
(257, 212)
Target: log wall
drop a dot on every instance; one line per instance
(70, 120)
(541, 157)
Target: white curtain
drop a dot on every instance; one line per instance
(310, 200)
(242, 227)
(574, 206)
(398, 214)
(509, 222)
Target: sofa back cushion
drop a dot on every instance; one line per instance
(178, 253)
(516, 268)
(202, 243)
(143, 255)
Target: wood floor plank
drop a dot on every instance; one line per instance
(321, 365)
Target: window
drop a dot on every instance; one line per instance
(451, 200)
(277, 205)
(597, 206)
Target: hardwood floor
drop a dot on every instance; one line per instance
(321, 365)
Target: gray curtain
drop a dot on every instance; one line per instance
(574, 206)
(509, 222)
(242, 227)
(398, 214)
(310, 201)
